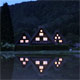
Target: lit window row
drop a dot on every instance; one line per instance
(24, 41)
(60, 41)
(44, 39)
(57, 37)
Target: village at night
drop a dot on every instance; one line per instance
(39, 40)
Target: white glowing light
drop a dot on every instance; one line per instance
(41, 30)
(41, 70)
(26, 59)
(59, 63)
(21, 59)
(45, 39)
(45, 62)
(26, 41)
(57, 34)
(41, 67)
(60, 41)
(55, 40)
(21, 41)
(24, 37)
(24, 63)
(60, 59)
(59, 37)
(37, 38)
(55, 37)
(37, 62)
(41, 34)
(55, 62)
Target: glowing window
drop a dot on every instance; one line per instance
(60, 59)
(26, 41)
(45, 62)
(41, 34)
(26, 59)
(21, 41)
(41, 67)
(55, 40)
(24, 37)
(59, 63)
(37, 38)
(41, 70)
(24, 63)
(37, 62)
(57, 34)
(59, 37)
(60, 41)
(41, 30)
(45, 39)
(55, 37)
(21, 59)
(55, 62)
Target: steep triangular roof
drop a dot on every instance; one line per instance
(57, 37)
(24, 39)
(41, 37)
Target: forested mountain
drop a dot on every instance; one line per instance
(53, 15)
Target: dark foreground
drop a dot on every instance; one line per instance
(11, 69)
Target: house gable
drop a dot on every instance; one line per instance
(41, 37)
(57, 38)
(24, 39)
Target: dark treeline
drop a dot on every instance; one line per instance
(7, 34)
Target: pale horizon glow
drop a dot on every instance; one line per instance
(12, 2)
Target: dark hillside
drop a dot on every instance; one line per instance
(62, 15)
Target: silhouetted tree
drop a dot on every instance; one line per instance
(7, 34)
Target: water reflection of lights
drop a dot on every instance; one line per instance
(37, 62)
(45, 62)
(60, 59)
(23, 60)
(58, 62)
(24, 63)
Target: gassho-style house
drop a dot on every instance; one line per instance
(41, 37)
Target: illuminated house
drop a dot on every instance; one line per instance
(24, 39)
(58, 39)
(41, 37)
